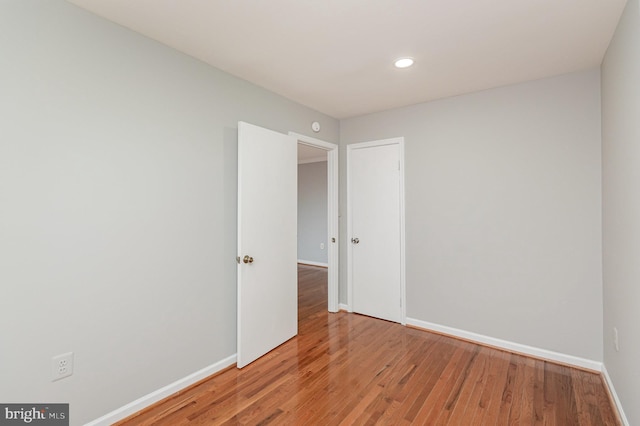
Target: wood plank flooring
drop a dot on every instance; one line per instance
(348, 369)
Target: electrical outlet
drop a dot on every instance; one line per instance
(321, 246)
(61, 366)
(616, 341)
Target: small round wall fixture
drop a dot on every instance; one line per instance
(315, 126)
(403, 62)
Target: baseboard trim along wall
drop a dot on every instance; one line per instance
(614, 395)
(312, 263)
(158, 395)
(343, 307)
(571, 360)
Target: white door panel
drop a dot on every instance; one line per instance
(267, 233)
(375, 218)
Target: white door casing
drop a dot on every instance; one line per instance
(332, 214)
(267, 235)
(375, 198)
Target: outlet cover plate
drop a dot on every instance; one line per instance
(61, 366)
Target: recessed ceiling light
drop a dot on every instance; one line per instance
(403, 62)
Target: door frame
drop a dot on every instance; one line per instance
(333, 236)
(350, 148)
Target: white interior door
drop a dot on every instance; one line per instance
(267, 241)
(375, 230)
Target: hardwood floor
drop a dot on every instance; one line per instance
(346, 369)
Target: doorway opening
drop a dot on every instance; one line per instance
(311, 156)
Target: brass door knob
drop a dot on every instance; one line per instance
(247, 259)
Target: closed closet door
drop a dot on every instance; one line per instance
(375, 229)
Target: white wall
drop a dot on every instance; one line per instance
(621, 208)
(117, 206)
(503, 219)
(312, 212)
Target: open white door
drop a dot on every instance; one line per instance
(267, 241)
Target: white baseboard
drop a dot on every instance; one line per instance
(616, 400)
(160, 394)
(509, 346)
(343, 307)
(312, 263)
